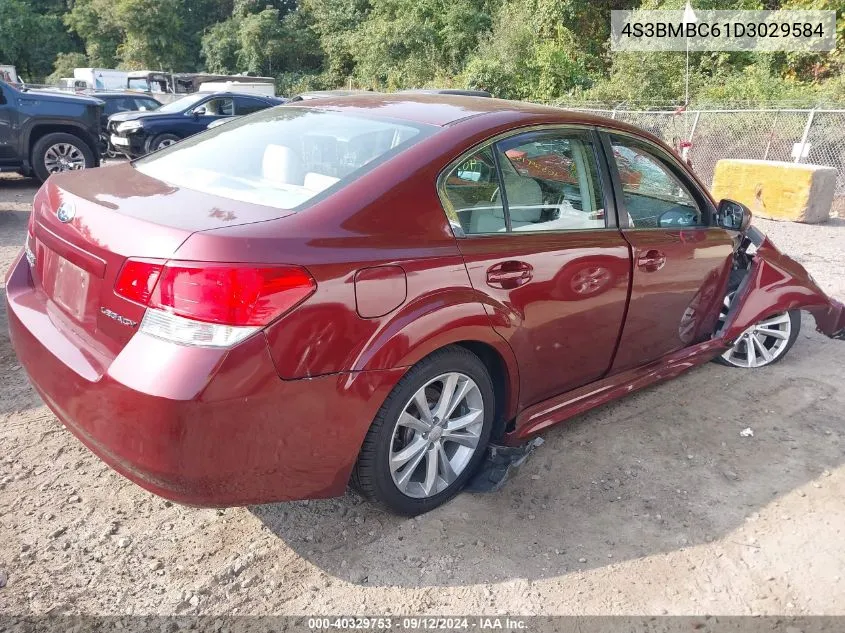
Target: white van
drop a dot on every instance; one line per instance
(102, 78)
(251, 87)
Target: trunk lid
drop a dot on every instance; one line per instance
(88, 223)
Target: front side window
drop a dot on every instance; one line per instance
(551, 182)
(653, 196)
(138, 83)
(217, 107)
(121, 104)
(147, 105)
(281, 157)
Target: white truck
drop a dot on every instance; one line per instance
(102, 78)
(266, 88)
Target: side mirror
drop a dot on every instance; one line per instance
(200, 111)
(733, 215)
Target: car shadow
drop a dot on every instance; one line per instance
(662, 470)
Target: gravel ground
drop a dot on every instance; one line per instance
(654, 504)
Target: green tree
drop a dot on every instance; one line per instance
(97, 24)
(152, 34)
(412, 42)
(64, 65)
(29, 40)
(220, 46)
(528, 56)
(263, 43)
(261, 38)
(335, 23)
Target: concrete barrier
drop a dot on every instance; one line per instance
(777, 191)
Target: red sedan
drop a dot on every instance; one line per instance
(373, 289)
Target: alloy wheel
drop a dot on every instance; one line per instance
(436, 435)
(166, 143)
(762, 343)
(63, 157)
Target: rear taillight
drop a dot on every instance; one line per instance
(212, 304)
(137, 279)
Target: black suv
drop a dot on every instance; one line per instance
(42, 133)
(137, 133)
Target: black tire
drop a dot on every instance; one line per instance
(42, 145)
(156, 142)
(795, 329)
(371, 476)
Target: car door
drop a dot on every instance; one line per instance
(8, 123)
(539, 238)
(681, 260)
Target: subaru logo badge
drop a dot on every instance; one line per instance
(65, 212)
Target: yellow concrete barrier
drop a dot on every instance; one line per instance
(775, 190)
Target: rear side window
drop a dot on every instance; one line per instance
(472, 197)
(535, 181)
(282, 157)
(551, 182)
(245, 105)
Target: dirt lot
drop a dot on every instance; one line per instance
(654, 504)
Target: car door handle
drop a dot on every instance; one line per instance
(508, 275)
(651, 261)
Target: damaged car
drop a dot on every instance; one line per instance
(382, 291)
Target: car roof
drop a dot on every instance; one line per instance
(447, 91)
(443, 110)
(230, 93)
(129, 93)
(324, 94)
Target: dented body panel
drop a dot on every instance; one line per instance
(774, 283)
(777, 283)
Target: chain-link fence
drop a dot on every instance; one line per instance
(800, 136)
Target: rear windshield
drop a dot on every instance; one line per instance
(281, 157)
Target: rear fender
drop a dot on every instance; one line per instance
(777, 283)
(432, 323)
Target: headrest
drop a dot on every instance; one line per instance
(282, 165)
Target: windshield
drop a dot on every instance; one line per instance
(137, 83)
(180, 105)
(281, 157)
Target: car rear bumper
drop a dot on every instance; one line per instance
(199, 426)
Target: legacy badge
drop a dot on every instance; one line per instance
(120, 319)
